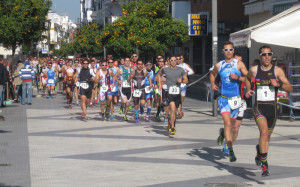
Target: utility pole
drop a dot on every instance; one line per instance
(214, 47)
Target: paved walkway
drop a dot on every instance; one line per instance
(46, 144)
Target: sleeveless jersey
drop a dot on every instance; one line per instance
(151, 75)
(125, 73)
(229, 87)
(105, 78)
(114, 71)
(139, 80)
(51, 74)
(264, 90)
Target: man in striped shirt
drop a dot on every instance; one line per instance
(27, 74)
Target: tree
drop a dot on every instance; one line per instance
(87, 40)
(22, 22)
(66, 49)
(146, 25)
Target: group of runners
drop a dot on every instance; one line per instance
(131, 81)
(264, 79)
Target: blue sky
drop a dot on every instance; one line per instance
(68, 7)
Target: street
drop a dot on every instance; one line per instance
(47, 144)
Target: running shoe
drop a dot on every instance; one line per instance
(91, 106)
(103, 117)
(96, 101)
(112, 117)
(172, 131)
(169, 126)
(147, 119)
(121, 110)
(77, 102)
(83, 114)
(49, 97)
(265, 170)
(232, 157)
(125, 118)
(165, 120)
(137, 121)
(220, 139)
(142, 111)
(70, 106)
(180, 115)
(225, 149)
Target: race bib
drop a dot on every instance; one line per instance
(174, 90)
(104, 88)
(126, 84)
(148, 90)
(265, 93)
(234, 102)
(165, 87)
(137, 93)
(51, 81)
(114, 89)
(243, 105)
(77, 84)
(84, 85)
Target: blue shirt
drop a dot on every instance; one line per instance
(51, 74)
(151, 75)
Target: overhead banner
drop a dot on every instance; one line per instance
(198, 24)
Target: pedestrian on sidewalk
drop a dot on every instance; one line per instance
(18, 81)
(26, 74)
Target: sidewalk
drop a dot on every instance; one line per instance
(66, 151)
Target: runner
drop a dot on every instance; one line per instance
(104, 76)
(115, 89)
(69, 72)
(138, 76)
(174, 77)
(50, 79)
(188, 71)
(44, 77)
(93, 70)
(229, 101)
(85, 78)
(77, 67)
(268, 79)
(61, 63)
(148, 90)
(126, 92)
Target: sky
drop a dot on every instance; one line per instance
(70, 8)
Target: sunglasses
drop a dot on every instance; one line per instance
(178, 59)
(227, 50)
(85, 63)
(148, 64)
(134, 56)
(265, 54)
(110, 62)
(104, 65)
(173, 60)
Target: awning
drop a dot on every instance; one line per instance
(282, 29)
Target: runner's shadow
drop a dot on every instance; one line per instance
(213, 155)
(161, 130)
(1, 131)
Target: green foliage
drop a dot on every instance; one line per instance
(22, 21)
(87, 40)
(146, 25)
(66, 49)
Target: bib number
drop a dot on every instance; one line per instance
(148, 90)
(84, 85)
(51, 81)
(174, 90)
(114, 89)
(104, 88)
(234, 102)
(126, 84)
(265, 93)
(243, 105)
(137, 93)
(77, 84)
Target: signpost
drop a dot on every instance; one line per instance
(198, 24)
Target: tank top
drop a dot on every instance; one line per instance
(139, 80)
(114, 70)
(105, 78)
(264, 90)
(151, 75)
(229, 87)
(126, 73)
(51, 74)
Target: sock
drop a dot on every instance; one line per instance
(230, 148)
(148, 111)
(264, 158)
(136, 113)
(49, 93)
(158, 110)
(257, 149)
(71, 99)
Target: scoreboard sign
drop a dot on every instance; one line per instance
(198, 24)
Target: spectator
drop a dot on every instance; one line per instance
(26, 74)
(2, 82)
(18, 81)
